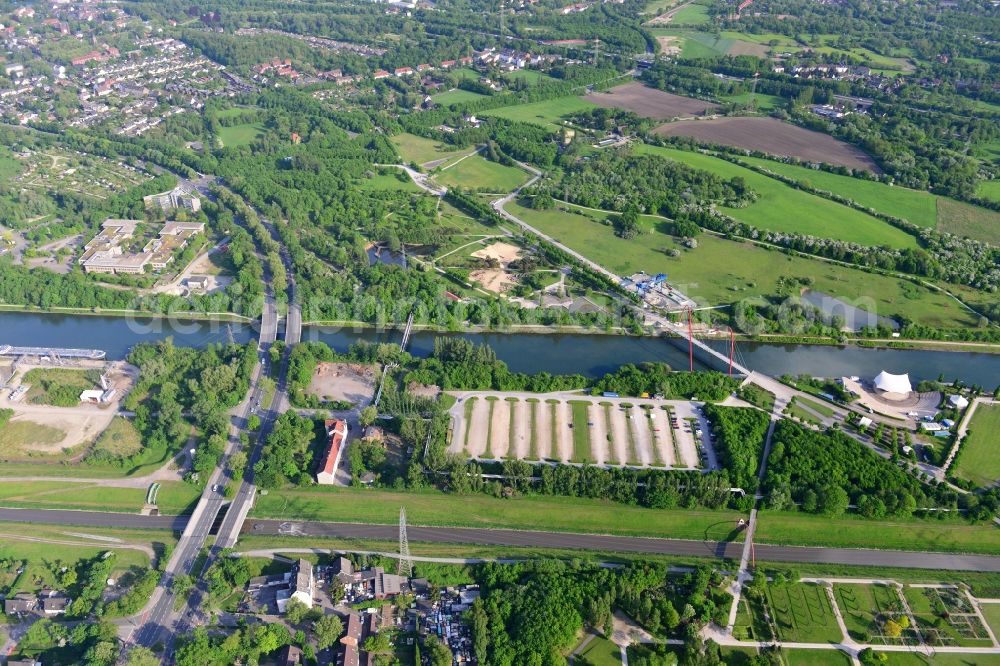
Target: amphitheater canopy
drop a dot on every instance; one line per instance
(893, 383)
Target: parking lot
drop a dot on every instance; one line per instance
(573, 428)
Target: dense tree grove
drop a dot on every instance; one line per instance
(826, 472)
(739, 441)
(175, 381)
(618, 180)
(530, 613)
(658, 378)
(287, 455)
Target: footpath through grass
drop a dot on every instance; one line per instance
(978, 460)
(175, 497)
(948, 535)
(559, 514)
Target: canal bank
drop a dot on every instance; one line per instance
(588, 354)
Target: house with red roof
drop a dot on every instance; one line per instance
(336, 430)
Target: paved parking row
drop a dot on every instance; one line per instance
(637, 432)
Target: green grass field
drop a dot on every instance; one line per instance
(802, 529)
(477, 172)
(120, 439)
(695, 44)
(240, 135)
(979, 461)
(941, 659)
(601, 652)
(815, 658)
(784, 208)
(548, 114)
(817, 407)
(19, 438)
(962, 219)
(175, 497)
(913, 205)
(581, 432)
(802, 613)
(561, 514)
(723, 271)
(693, 14)
(417, 149)
(766, 39)
(391, 180)
(41, 558)
(762, 101)
(455, 96)
(9, 166)
(989, 189)
(992, 614)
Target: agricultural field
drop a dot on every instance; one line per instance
(235, 136)
(60, 170)
(478, 173)
(455, 96)
(423, 151)
(175, 497)
(781, 207)
(773, 136)
(561, 514)
(803, 529)
(548, 114)
(649, 102)
(488, 426)
(723, 271)
(979, 461)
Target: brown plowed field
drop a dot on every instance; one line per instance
(650, 102)
(772, 136)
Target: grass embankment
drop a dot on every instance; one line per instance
(978, 461)
(802, 529)
(560, 514)
(781, 207)
(723, 271)
(175, 497)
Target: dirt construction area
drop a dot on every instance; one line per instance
(350, 382)
(650, 102)
(577, 429)
(772, 136)
(37, 431)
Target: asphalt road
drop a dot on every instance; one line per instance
(488, 537)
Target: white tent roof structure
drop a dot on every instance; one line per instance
(893, 383)
(958, 401)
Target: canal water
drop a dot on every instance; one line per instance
(589, 355)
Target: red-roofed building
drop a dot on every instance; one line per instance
(337, 432)
(381, 74)
(404, 71)
(446, 64)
